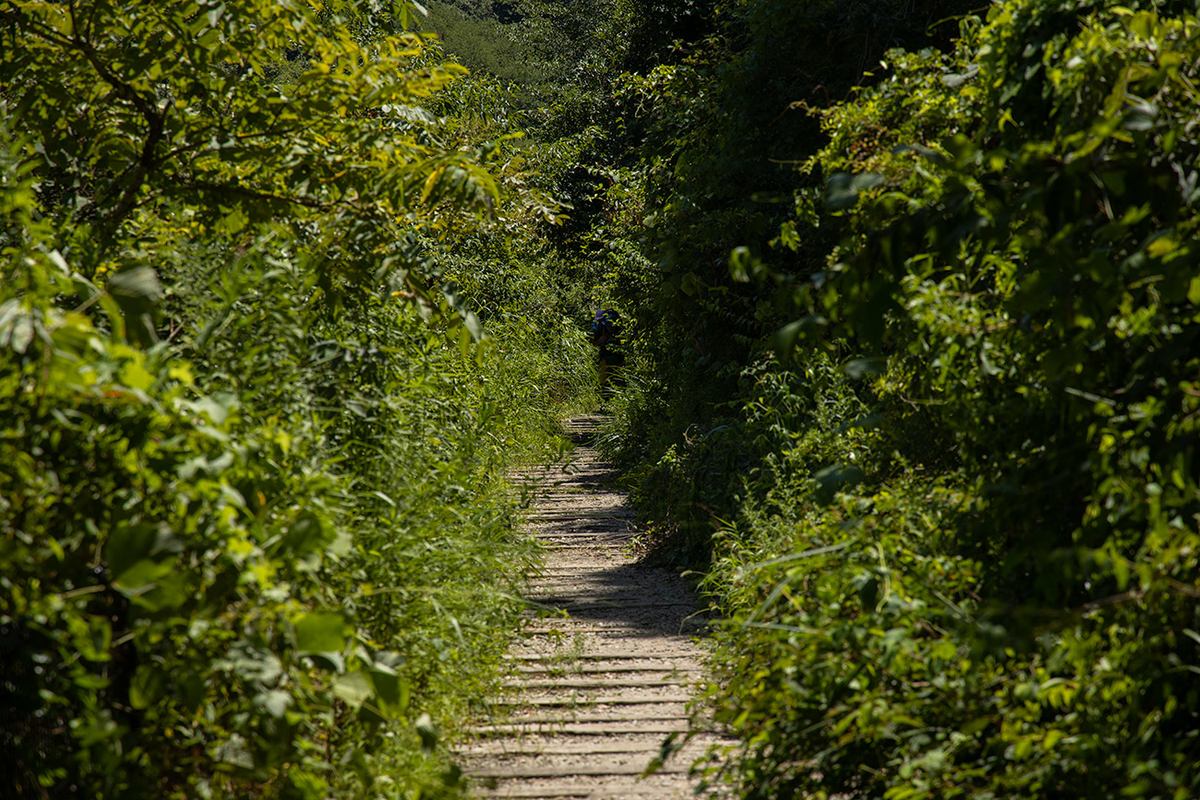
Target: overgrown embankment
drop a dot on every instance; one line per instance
(912, 374)
(932, 427)
(254, 534)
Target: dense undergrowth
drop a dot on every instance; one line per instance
(911, 379)
(930, 426)
(255, 539)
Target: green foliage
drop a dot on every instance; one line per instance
(912, 373)
(978, 578)
(254, 533)
(150, 531)
(475, 36)
(1049, 276)
(720, 129)
(132, 110)
(917, 386)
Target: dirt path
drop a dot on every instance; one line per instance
(603, 673)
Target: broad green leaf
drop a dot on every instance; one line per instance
(131, 542)
(391, 691)
(275, 702)
(135, 376)
(428, 731)
(859, 368)
(143, 576)
(786, 338)
(306, 534)
(355, 688)
(833, 479)
(320, 631)
(149, 684)
(234, 751)
(138, 286)
(842, 189)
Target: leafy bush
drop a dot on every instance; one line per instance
(255, 536)
(164, 607)
(952, 520)
(1014, 618)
